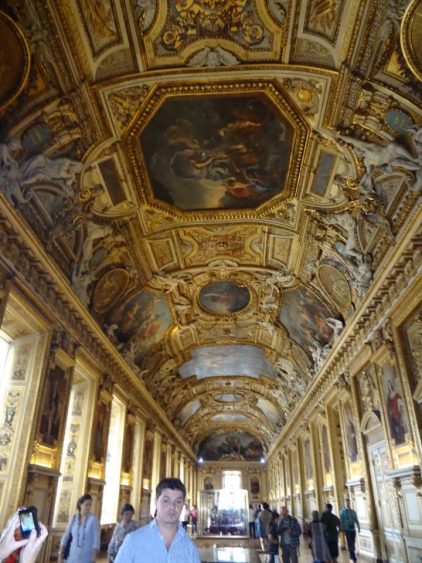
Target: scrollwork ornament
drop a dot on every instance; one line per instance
(387, 335)
(107, 382)
(369, 394)
(398, 487)
(342, 382)
(125, 102)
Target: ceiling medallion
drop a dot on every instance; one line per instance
(411, 37)
(14, 61)
(220, 148)
(109, 288)
(224, 297)
(336, 286)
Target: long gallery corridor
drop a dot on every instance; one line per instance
(210, 263)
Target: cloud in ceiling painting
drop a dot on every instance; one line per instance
(228, 360)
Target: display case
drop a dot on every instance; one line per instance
(223, 512)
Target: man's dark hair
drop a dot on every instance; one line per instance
(127, 508)
(329, 507)
(170, 483)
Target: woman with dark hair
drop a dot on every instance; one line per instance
(320, 551)
(264, 519)
(124, 527)
(83, 532)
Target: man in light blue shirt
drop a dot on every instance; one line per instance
(163, 540)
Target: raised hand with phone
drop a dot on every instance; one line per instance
(28, 521)
(31, 544)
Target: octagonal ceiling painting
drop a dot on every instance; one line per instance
(217, 153)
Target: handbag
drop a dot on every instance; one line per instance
(66, 551)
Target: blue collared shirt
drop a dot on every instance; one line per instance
(146, 545)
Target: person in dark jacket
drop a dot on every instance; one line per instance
(273, 538)
(289, 531)
(332, 528)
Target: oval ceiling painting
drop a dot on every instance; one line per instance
(231, 446)
(224, 297)
(217, 153)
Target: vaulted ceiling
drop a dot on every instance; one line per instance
(220, 182)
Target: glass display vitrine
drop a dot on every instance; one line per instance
(223, 512)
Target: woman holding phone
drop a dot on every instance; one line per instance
(83, 531)
(30, 546)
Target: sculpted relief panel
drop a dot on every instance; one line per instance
(101, 26)
(181, 31)
(322, 17)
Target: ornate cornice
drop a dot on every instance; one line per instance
(36, 273)
(391, 280)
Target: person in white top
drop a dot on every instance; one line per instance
(184, 516)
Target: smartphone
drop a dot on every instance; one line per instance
(28, 521)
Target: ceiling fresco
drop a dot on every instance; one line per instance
(305, 316)
(218, 153)
(222, 146)
(238, 446)
(219, 183)
(224, 297)
(229, 360)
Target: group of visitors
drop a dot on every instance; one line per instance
(283, 530)
(324, 532)
(163, 539)
(164, 535)
(275, 530)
